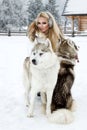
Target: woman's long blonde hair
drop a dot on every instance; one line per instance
(54, 33)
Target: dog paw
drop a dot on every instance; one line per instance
(27, 105)
(48, 113)
(74, 106)
(30, 115)
(43, 109)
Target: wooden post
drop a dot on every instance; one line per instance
(79, 23)
(9, 32)
(65, 25)
(73, 27)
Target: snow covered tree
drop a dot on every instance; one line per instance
(17, 19)
(17, 13)
(12, 14)
(5, 14)
(34, 7)
(53, 8)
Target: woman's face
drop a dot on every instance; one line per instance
(42, 24)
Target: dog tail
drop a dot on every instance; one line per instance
(61, 116)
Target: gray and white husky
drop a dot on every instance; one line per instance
(40, 75)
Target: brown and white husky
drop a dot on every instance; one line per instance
(62, 102)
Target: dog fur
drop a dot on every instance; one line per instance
(62, 97)
(40, 75)
(59, 103)
(62, 101)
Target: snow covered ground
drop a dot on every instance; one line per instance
(13, 112)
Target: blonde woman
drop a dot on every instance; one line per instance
(45, 26)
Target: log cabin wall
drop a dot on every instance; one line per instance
(82, 23)
(76, 9)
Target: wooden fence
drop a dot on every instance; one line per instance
(13, 33)
(68, 31)
(24, 33)
(75, 33)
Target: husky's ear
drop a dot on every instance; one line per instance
(48, 43)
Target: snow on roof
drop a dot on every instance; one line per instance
(75, 7)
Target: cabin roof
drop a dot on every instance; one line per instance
(75, 7)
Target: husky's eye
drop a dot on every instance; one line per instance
(41, 54)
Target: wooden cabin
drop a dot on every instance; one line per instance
(76, 9)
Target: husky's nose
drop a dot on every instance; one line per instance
(34, 62)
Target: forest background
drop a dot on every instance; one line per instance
(18, 14)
